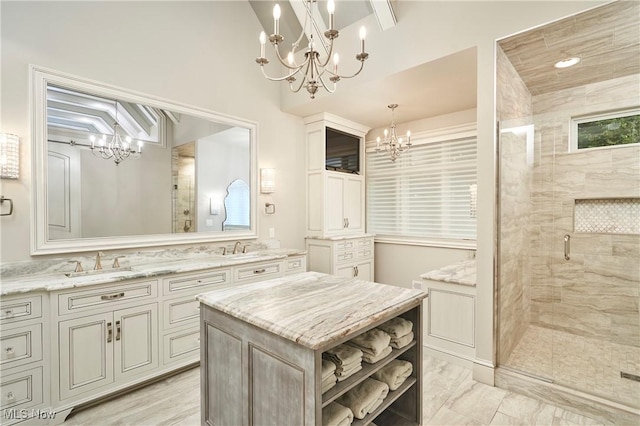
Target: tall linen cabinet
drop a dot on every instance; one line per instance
(335, 216)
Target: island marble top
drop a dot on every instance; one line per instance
(310, 308)
(57, 280)
(463, 273)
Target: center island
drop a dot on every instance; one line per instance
(262, 348)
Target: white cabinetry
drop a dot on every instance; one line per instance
(350, 257)
(335, 200)
(23, 350)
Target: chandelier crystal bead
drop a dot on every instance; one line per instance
(314, 69)
(392, 144)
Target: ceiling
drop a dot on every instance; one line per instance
(606, 38)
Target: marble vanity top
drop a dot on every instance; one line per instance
(463, 273)
(311, 308)
(133, 267)
(341, 237)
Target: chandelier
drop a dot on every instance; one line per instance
(314, 70)
(117, 148)
(392, 144)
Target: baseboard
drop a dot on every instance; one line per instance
(452, 357)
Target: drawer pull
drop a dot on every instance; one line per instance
(10, 397)
(117, 330)
(8, 313)
(10, 352)
(109, 333)
(259, 271)
(112, 296)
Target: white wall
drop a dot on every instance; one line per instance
(178, 51)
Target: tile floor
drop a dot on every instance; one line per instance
(578, 362)
(451, 397)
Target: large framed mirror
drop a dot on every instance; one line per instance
(113, 168)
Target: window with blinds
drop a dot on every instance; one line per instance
(428, 193)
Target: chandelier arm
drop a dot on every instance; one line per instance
(285, 63)
(328, 54)
(325, 86)
(279, 78)
(300, 86)
(350, 76)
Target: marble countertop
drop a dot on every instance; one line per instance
(53, 281)
(463, 273)
(341, 237)
(311, 308)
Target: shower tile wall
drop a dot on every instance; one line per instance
(596, 293)
(514, 106)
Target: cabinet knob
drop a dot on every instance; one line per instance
(10, 352)
(10, 397)
(8, 313)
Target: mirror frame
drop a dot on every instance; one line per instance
(40, 243)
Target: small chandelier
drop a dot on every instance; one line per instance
(392, 144)
(313, 70)
(116, 149)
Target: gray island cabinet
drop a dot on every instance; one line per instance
(262, 346)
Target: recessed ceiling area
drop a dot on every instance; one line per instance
(606, 39)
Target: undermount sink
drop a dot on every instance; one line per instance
(98, 272)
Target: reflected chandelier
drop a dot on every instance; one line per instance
(313, 70)
(392, 144)
(117, 148)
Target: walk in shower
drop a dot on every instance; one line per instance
(569, 210)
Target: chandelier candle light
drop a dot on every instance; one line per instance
(116, 149)
(313, 70)
(392, 144)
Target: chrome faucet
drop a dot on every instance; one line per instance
(236, 247)
(98, 264)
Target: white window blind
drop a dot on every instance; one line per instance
(428, 193)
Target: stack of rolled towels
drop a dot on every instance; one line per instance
(394, 374)
(374, 345)
(329, 378)
(347, 359)
(336, 414)
(399, 330)
(365, 397)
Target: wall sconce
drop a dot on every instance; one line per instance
(267, 181)
(9, 156)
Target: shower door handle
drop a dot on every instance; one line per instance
(567, 247)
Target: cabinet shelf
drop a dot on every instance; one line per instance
(367, 370)
(390, 399)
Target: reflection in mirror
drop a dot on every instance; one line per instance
(172, 187)
(236, 206)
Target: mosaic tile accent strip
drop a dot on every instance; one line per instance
(607, 216)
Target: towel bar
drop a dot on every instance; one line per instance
(2, 200)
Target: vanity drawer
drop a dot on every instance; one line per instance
(364, 253)
(181, 311)
(256, 272)
(365, 242)
(345, 256)
(20, 309)
(79, 301)
(345, 245)
(181, 345)
(195, 282)
(295, 265)
(21, 346)
(21, 390)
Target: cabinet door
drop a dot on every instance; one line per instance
(364, 270)
(86, 354)
(334, 208)
(135, 340)
(353, 203)
(347, 271)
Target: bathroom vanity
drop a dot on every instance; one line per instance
(262, 346)
(71, 340)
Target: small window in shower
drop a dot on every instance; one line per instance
(606, 130)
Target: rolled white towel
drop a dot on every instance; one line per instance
(394, 374)
(403, 341)
(375, 405)
(363, 396)
(350, 372)
(374, 341)
(342, 354)
(372, 359)
(335, 414)
(329, 382)
(328, 368)
(396, 327)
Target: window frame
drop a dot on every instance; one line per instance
(600, 116)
